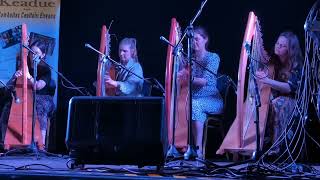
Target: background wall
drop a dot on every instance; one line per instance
(147, 20)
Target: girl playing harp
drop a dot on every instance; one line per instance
(126, 83)
(287, 61)
(283, 67)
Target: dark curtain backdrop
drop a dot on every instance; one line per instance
(147, 20)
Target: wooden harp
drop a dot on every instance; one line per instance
(176, 95)
(19, 129)
(241, 137)
(104, 66)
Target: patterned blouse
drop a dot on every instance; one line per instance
(292, 78)
(206, 99)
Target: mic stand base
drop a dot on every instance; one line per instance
(172, 152)
(190, 154)
(31, 149)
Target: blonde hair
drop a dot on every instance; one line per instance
(132, 42)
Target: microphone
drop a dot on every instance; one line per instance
(14, 94)
(166, 41)
(29, 49)
(87, 45)
(92, 48)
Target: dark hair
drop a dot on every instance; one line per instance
(41, 45)
(203, 33)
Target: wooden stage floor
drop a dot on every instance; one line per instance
(44, 167)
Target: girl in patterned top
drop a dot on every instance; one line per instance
(287, 60)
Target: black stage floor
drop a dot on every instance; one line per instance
(44, 167)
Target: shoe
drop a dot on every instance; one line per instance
(200, 154)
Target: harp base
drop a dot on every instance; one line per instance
(32, 149)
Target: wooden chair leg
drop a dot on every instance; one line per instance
(235, 156)
(222, 136)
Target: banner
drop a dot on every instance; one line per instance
(42, 18)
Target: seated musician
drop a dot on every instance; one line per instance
(126, 83)
(287, 60)
(44, 101)
(205, 95)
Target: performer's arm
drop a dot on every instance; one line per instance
(283, 87)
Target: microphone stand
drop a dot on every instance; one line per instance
(190, 153)
(256, 155)
(119, 65)
(32, 147)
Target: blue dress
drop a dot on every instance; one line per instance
(206, 99)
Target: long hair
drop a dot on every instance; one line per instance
(203, 33)
(294, 50)
(132, 42)
(42, 46)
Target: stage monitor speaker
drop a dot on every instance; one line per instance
(116, 130)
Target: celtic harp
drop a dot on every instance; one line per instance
(241, 137)
(104, 67)
(176, 99)
(19, 129)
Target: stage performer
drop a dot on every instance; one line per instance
(126, 83)
(44, 99)
(287, 59)
(205, 95)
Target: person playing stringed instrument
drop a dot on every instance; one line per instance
(44, 101)
(126, 83)
(205, 95)
(288, 64)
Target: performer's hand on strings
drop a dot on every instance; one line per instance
(17, 74)
(182, 76)
(261, 77)
(110, 83)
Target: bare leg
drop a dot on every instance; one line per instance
(43, 133)
(198, 135)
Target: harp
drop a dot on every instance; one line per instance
(241, 137)
(104, 66)
(19, 130)
(176, 99)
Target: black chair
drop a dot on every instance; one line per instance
(146, 89)
(152, 87)
(217, 121)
